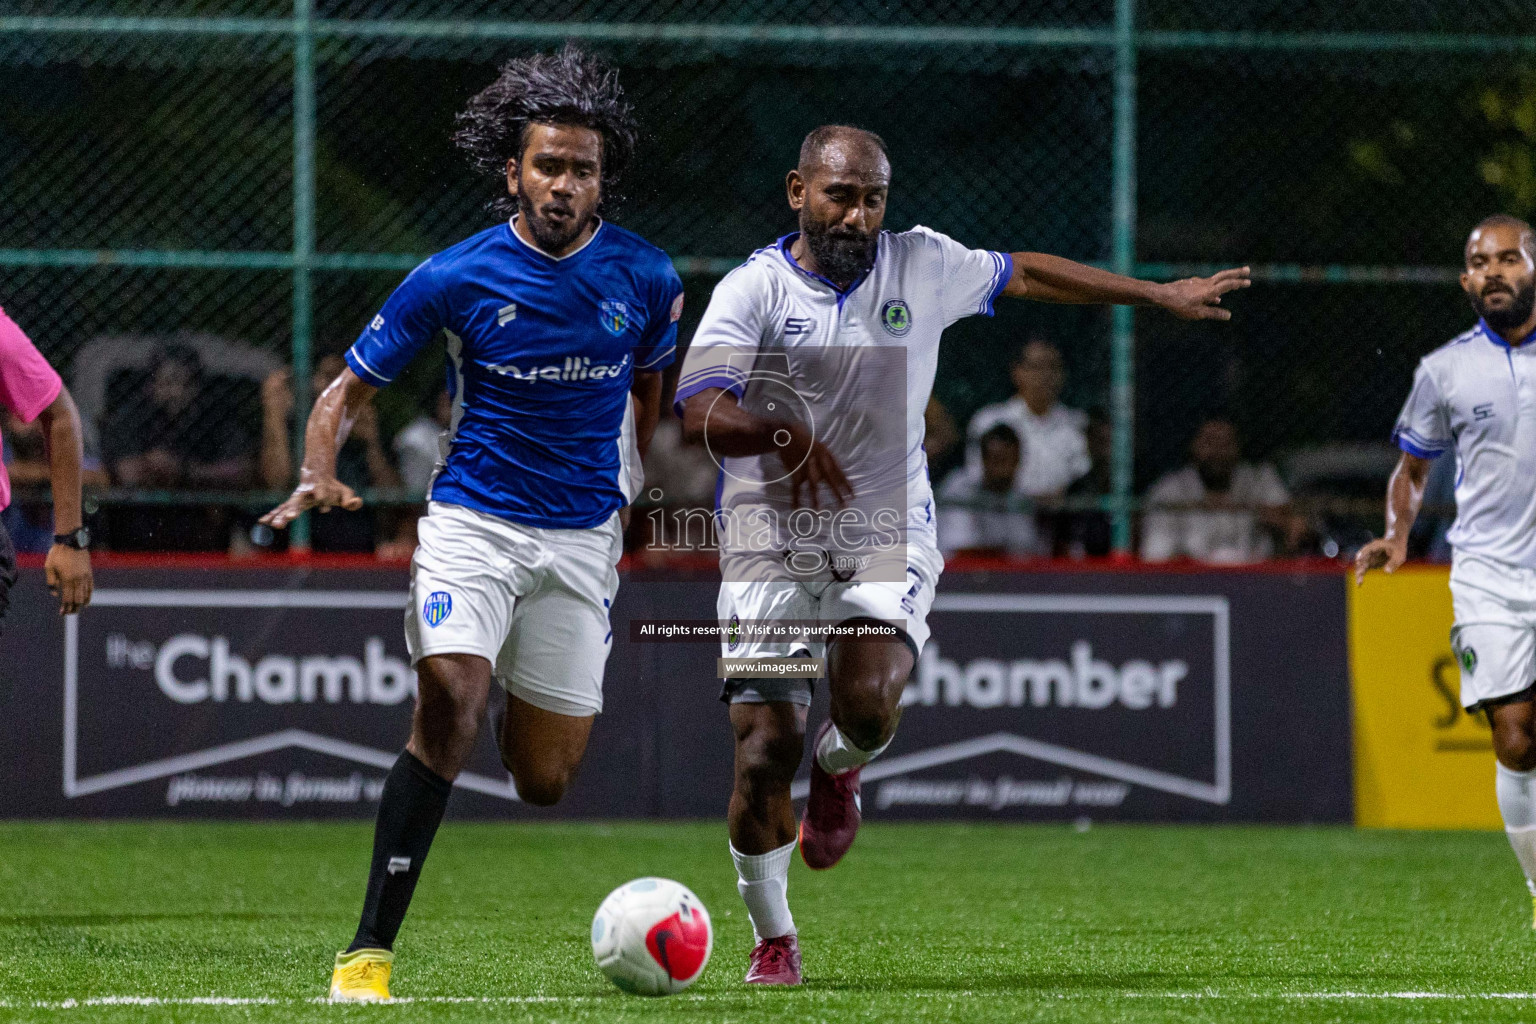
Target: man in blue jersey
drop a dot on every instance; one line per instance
(553, 320)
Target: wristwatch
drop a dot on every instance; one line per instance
(79, 539)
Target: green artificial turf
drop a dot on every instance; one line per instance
(920, 923)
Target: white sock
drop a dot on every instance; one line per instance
(836, 754)
(1517, 803)
(763, 881)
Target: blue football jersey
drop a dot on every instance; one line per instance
(541, 356)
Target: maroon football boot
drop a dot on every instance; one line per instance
(831, 814)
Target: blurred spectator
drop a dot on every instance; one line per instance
(178, 435)
(941, 439)
(30, 523)
(684, 473)
(671, 516)
(420, 444)
(1228, 511)
(980, 512)
(1085, 532)
(361, 463)
(1055, 450)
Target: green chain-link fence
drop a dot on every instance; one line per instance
(249, 177)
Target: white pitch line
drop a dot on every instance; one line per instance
(101, 1001)
(95, 1001)
(1470, 996)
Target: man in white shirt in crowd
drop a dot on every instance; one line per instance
(1054, 437)
(980, 512)
(1219, 508)
(419, 444)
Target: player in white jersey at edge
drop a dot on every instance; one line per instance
(775, 386)
(1476, 396)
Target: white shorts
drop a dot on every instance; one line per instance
(827, 603)
(1494, 638)
(533, 602)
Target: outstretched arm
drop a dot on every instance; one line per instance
(1045, 278)
(329, 423)
(1405, 495)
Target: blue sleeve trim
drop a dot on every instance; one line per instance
(363, 371)
(1401, 439)
(737, 388)
(1004, 274)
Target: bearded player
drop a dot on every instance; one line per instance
(553, 320)
(1475, 395)
(783, 335)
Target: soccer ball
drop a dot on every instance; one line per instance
(652, 937)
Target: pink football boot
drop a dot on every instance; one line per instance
(775, 962)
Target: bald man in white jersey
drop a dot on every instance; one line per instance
(1476, 396)
(807, 379)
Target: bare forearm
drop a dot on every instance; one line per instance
(715, 417)
(647, 393)
(380, 470)
(330, 422)
(1405, 496)
(1046, 278)
(276, 459)
(61, 436)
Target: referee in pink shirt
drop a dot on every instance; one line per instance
(31, 389)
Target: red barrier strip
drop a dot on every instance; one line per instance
(701, 562)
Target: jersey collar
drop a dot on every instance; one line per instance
(1498, 339)
(788, 240)
(541, 253)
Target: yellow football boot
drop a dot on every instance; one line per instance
(362, 976)
(1533, 911)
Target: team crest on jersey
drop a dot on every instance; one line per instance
(438, 606)
(614, 316)
(896, 318)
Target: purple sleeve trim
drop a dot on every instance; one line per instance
(737, 388)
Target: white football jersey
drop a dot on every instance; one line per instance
(1476, 395)
(855, 365)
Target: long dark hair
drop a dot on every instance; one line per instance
(570, 87)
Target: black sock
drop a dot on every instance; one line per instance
(410, 810)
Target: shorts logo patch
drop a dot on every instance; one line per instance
(733, 632)
(614, 316)
(1468, 658)
(438, 606)
(896, 318)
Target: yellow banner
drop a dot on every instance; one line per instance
(1420, 760)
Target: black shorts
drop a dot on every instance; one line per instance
(7, 570)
